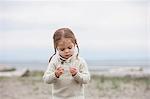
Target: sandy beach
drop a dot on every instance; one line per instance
(100, 87)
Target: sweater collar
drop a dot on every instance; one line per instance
(67, 60)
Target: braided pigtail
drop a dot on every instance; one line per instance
(52, 56)
(77, 48)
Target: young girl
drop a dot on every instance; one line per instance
(67, 72)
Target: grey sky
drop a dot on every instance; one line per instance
(100, 26)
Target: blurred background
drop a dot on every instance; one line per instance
(109, 32)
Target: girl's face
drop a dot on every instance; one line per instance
(65, 48)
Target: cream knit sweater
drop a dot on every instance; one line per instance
(67, 86)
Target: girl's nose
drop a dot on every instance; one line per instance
(66, 50)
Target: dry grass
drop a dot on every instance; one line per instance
(100, 87)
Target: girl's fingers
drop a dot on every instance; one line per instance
(60, 68)
(59, 71)
(62, 71)
(73, 69)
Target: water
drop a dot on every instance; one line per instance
(101, 65)
(109, 64)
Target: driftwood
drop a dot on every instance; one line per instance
(4, 68)
(122, 74)
(126, 69)
(132, 72)
(17, 73)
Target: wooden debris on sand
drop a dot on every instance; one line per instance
(7, 71)
(4, 68)
(134, 72)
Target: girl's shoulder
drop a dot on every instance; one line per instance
(54, 60)
(81, 60)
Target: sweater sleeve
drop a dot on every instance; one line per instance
(49, 75)
(83, 76)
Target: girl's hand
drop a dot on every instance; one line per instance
(73, 70)
(59, 71)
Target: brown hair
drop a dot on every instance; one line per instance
(63, 33)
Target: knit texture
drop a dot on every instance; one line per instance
(67, 86)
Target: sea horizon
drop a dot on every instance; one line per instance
(101, 65)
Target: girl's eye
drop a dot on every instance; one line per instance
(70, 47)
(62, 49)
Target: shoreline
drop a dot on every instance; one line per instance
(99, 87)
(119, 71)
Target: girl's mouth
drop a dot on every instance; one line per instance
(67, 56)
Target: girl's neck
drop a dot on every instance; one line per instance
(63, 58)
